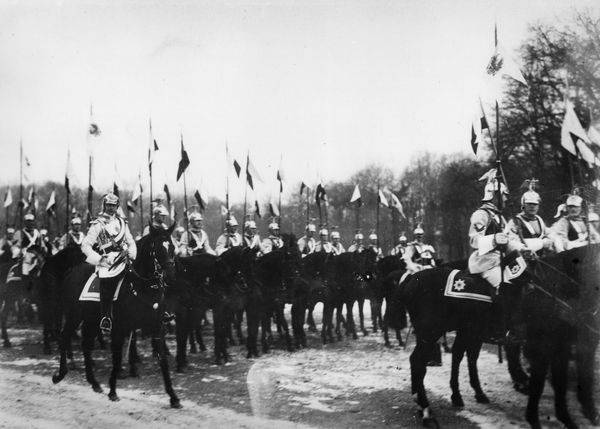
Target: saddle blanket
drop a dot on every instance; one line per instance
(14, 274)
(464, 286)
(91, 290)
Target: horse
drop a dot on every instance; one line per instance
(561, 309)
(278, 273)
(141, 303)
(19, 288)
(390, 270)
(55, 269)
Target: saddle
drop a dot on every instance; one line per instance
(91, 290)
(461, 284)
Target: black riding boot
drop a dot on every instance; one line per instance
(107, 291)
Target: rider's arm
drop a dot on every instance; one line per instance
(131, 247)
(220, 247)
(90, 239)
(206, 244)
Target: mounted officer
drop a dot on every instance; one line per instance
(160, 214)
(273, 241)
(357, 245)
(324, 245)
(230, 238)
(374, 245)
(572, 230)
(307, 242)
(107, 239)
(251, 237)
(530, 227)
(195, 241)
(400, 249)
(31, 244)
(74, 237)
(9, 245)
(336, 245)
(419, 255)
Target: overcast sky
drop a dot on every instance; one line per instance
(331, 85)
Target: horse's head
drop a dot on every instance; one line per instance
(156, 255)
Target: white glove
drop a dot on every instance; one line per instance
(501, 239)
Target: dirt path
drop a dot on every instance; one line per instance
(358, 384)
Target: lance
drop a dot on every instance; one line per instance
(280, 179)
(245, 194)
(185, 202)
(150, 161)
(141, 204)
(377, 216)
(20, 206)
(90, 202)
(307, 205)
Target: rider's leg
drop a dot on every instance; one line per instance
(107, 291)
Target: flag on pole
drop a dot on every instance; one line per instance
(130, 207)
(396, 204)
(8, 200)
(51, 206)
(232, 162)
(257, 209)
(594, 136)
(273, 209)
(23, 203)
(152, 147)
(68, 172)
(280, 175)
(199, 199)
(137, 191)
(224, 211)
(167, 194)
(251, 173)
(31, 195)
(382, 199)
(571, 129)
(184, 162)
(320, 195)
(479, 124)
(302, 187)
(356, 196)
(503, 65)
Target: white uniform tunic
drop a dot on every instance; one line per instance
(227, 241)
(201, 243)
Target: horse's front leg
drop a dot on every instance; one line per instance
(164, 368)
(3, 322)
(350, 326)
(361, 316)
(284, 326)
(89, 330)
(587, 345)
(458, 352)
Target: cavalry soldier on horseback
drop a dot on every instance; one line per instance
(74, 237)
(336, 246)
(572, 229)
(107, 240)
(160, 214)
(230, 238)
(47, 244)
(307, 243)
(418, 255)
(195, 241)
(530, 227)
(29, 236)
(400, 249)
(374, 245)
(251, 237)
(324, 245)
(273, 241)
(9, 245)
(357, 245)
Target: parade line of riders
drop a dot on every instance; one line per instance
(109, 237)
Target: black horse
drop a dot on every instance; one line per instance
(141, 303)
(562, 309)
(390, 270)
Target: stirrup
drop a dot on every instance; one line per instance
(106, 325)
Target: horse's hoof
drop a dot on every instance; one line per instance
(181, 369)
(7, 344)
(97, 388)
(521, 387)
(354, 336)
(457, 400)
(431, 422)
(365, 333)
(482, 398)
(401, 343)
(175, 403)
(388, 345)
(57, 378)
(113, 397)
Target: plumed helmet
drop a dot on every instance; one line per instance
(43, 231)
(180, 229)
(335, 234)
(10, 230)
(418, 231)
(110, 198)
(560, 210)
(195, 216)
(250, 224)
(372, 236)
(490, 190)
(403, 238)
(76, 221)
(574, 200)
(323, 231)
(311, 227)
(231, 221)
(531, 197)
(160, 210)
(273, 225)
(593, 217)
(358, 236)
(29, 216)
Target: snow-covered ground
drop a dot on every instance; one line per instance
(352, 383)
